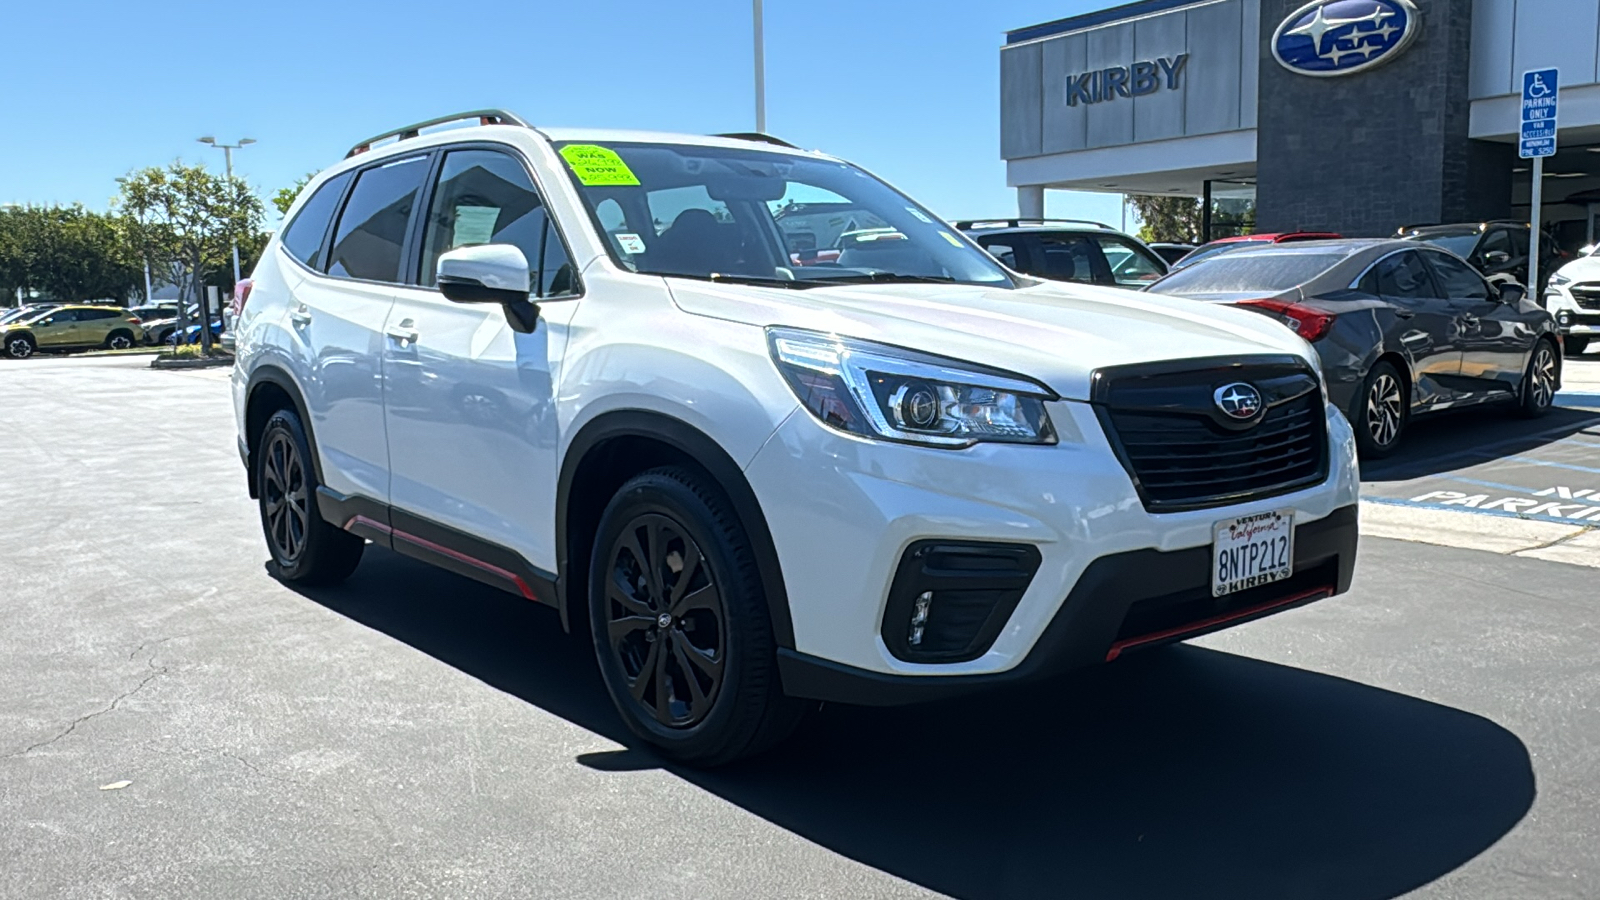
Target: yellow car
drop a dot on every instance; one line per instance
(70, 328)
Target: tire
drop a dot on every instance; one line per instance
(119, 340)
(21, 346)
(305, 549)
(1382, 411)
(1538, 391)
(718, 651)
(1576, 345)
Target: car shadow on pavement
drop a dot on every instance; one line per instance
(1449, 441)
(1180, 772)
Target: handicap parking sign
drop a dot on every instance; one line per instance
(1540, 90)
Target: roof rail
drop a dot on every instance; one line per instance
(757, 137)
(484, 117)
(969, 224)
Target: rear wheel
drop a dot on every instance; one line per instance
(1539, 381)
(305, 548)
(1576, 345)
(119, 340)
(680, 622)
(1381, 412)
(20, 346)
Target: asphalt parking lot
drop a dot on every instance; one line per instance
(177, 724)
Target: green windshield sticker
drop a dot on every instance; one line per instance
(598, 166)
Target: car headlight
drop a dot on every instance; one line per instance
(1559, 279)
(882, 391)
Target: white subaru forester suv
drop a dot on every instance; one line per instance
(767, 430)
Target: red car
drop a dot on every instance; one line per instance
(1223, 245)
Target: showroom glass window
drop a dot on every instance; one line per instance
(371, 233)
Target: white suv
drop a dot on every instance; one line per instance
(583, 366)
(1572, 295)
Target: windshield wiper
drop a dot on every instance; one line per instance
(885, 278)
(724, 278)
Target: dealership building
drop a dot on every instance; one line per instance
(1355, 116)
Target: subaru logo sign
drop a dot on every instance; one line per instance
(1341, 37)
(1238, 401)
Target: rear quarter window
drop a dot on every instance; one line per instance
(303, 236)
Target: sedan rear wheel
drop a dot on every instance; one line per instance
(1381, 417)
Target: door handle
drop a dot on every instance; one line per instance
(300, 315)
(405, 332)
(1403, 313)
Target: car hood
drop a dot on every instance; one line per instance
(1056, 333)
(1584, 268)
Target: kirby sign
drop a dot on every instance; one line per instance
(1342, 37)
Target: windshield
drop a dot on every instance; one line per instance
(1459, 244)
(1267, 272)
(749, 215)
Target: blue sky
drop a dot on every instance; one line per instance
(909, 90)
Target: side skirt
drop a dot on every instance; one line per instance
(438, 545)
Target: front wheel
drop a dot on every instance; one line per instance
(1539, 382)
(680, 622)
(20, 346)
(1381, 412)
(305, 548)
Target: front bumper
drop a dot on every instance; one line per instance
(1571, 318)
(1094, 625)
(843, 511)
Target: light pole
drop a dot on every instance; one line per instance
(761, 71)
(227, 155)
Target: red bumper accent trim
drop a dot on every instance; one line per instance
(1203, 624)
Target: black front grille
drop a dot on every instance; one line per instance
(1184, 453)
(1587, 295)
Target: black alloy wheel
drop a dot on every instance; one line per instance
(680, 624)
(20, 346)
(119, 341)
(1539, 382)
(665, 620)
(305, 549)
(285, 498)
(1382, 412)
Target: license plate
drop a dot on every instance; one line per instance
(1251, 551)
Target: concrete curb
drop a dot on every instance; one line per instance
(1548, 540)
(213, 363)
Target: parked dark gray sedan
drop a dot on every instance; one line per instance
(1402, 329)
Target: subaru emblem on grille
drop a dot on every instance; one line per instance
(1238, 400)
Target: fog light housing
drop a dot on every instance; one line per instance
(950, 599)
(1565, 319)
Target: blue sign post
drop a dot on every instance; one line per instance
(1540, 89)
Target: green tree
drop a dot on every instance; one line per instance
(66, 253)
(285, 197)
(184, 220)
(1168, 218)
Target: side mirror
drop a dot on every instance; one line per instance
(1512, 293)
(490, 273)
(1497, 257)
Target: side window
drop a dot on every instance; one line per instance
(1457, 280)
(484, 197)
(1401, 276)
(1519, 243)
(91, 314)
(60, 317)
(1005, 252)
(1130, 265)
(1499, 239)
(371, 233)
(303, 237)
(1065, 257)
